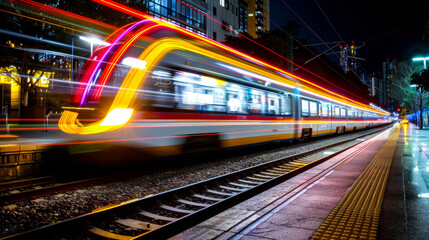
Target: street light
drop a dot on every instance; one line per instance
(93, 40)
(421, 59)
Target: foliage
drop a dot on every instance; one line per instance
(400, 91)
(421, 79)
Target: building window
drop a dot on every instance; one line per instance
(174, 11)
(222, 3)
(225, 26)
(214, 11)
(215, 36)
(242, 16)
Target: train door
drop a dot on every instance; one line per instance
(336, 118)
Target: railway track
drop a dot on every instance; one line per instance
(165, 214)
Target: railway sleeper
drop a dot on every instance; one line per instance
(264, 176)
(233, 189)
(272, 174)
(249, 182)
(281, 172)
(240, 185)
(106, 234)
(190, 203)
(220, 193)
(177, 210)
(261, 180)
(208, 198)
(133, 223)
(157, 217)
(285, 170)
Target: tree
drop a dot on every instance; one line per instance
(400, 90)
(421, 80)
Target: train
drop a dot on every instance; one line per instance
(160, 90)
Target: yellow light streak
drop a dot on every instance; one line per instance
(152, 55)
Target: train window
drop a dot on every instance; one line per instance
(337, 112)
(350, 114)
(313, 109)
(273, 104)
(304, 108)
(319, 107)
(256, 101)
(286, 105)
(343, 113)
(236, 102)
(325, 110)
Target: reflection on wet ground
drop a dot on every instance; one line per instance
(415, 160)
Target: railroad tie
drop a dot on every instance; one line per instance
(357, 214)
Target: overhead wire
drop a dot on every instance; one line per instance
(318, 38)
(329, 21)
(318, 56)
(298, 66)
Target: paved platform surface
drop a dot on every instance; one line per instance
(300, 207)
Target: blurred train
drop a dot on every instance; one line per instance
(163, 90)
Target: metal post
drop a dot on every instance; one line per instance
(47, 122)
(72, 55)
(7, 124)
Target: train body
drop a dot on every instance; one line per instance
(166, 91)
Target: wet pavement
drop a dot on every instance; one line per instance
(404, 212)
(406, 204)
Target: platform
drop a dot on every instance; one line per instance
(380, 192)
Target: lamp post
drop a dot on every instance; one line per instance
(93, 40)
(421, 59)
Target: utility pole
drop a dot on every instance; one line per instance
(289, 54)
(348, 56)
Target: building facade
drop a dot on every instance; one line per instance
(190, 15)
(215, 19)
(388, 73)
(224, 20)
(258, 17)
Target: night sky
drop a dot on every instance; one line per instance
(390, 29)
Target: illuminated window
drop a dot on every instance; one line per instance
(222, 3)
(304, 108)
(337, 112)
(343, 113)
(286, 105)
(325, 110)
(313, 109)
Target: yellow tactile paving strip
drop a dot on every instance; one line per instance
(357, 214)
